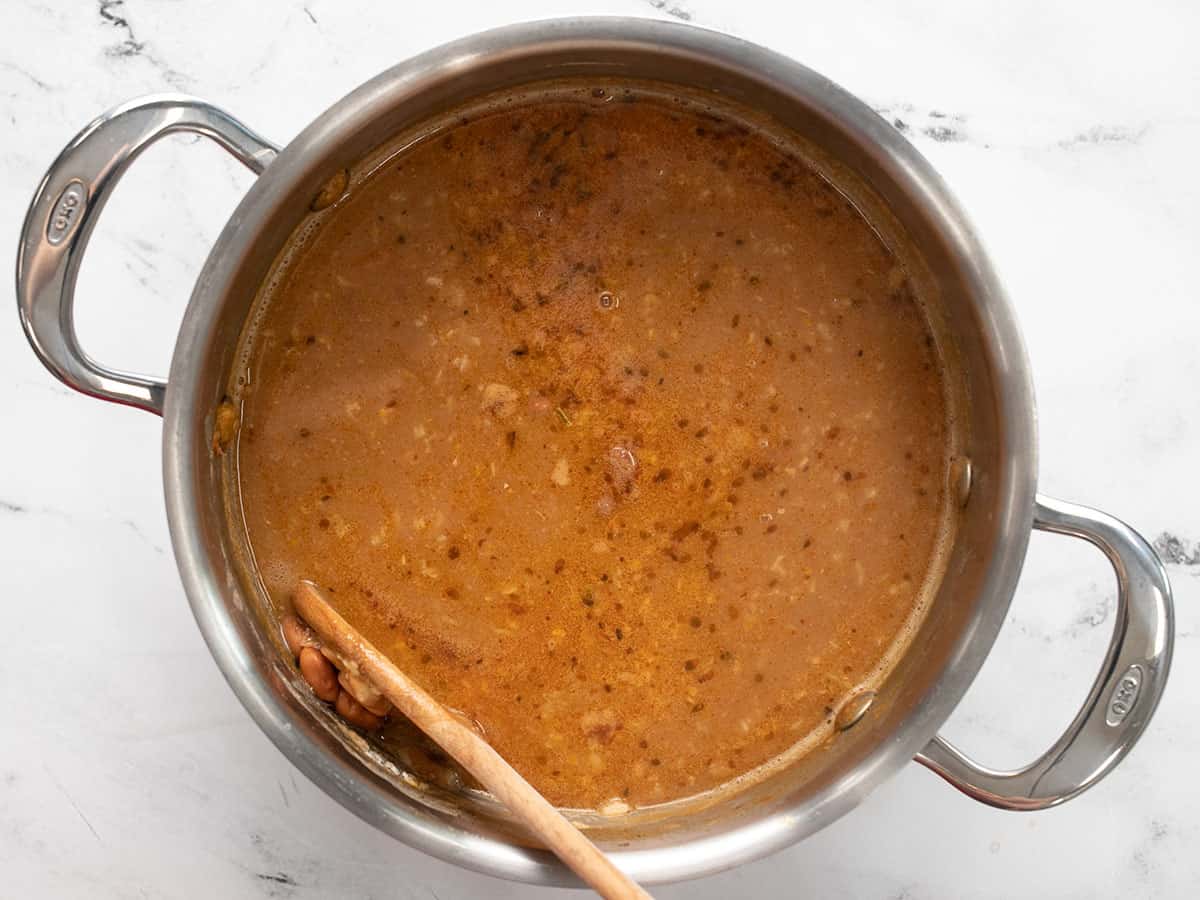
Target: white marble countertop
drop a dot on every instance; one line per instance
(1069, 131)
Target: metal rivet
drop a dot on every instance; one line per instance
(853, 710)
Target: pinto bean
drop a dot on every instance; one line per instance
(319, 673)
(355, 713)
(364, 692)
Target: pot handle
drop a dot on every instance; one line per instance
(64, 212)
(1125, 693)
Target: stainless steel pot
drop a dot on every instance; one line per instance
(962, 623)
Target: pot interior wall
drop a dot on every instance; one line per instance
(963, 618)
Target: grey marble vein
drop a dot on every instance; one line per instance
(675, 10)
(1178, 551)
(1105, 134)
(947, 127)
(113, 14)
(1092, 610)
(934, 124)
(7, 66)
(74, 805)
(142, 536)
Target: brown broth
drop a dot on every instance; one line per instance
(616, 426)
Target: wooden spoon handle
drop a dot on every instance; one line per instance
(468, 748)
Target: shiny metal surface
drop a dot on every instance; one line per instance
(962, 622)
(1124, 695)
(64, 211)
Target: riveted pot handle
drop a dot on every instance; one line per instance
(1125, 693)
(64, 212)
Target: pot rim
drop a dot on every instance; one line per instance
(366, 795)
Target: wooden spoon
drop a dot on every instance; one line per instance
(465, 745)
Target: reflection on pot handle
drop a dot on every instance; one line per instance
(1126, 691)
(64, 212)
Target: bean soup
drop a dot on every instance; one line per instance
(616, 425)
